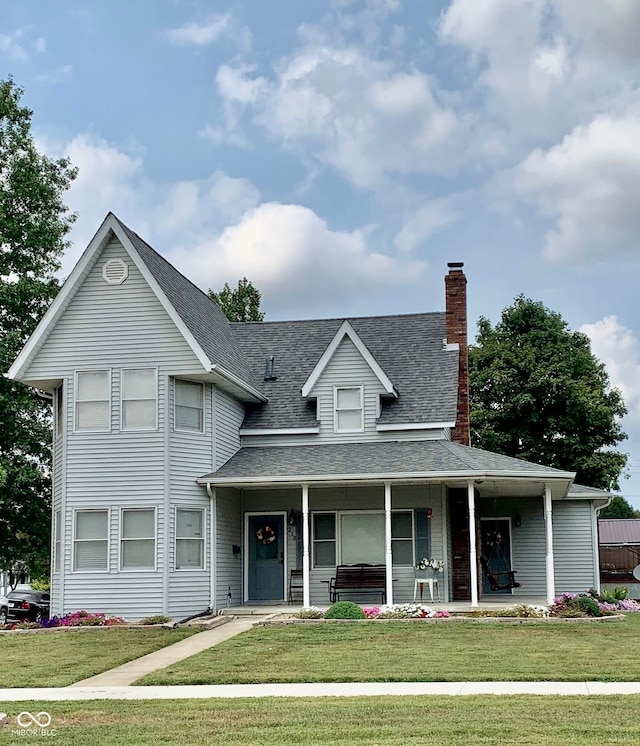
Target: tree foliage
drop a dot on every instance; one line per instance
(33, 224)
(619, 508)
(538, 393)
(241, 304)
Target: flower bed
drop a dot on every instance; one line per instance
(74, 619)
(396, 611)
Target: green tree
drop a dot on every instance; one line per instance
(619, 508)
(538, 393)
(33, 224)
(241, 304)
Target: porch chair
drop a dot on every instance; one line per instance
(499, 580)
(295, 586)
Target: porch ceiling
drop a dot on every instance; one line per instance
(406, 461)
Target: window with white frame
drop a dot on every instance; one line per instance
(57, 527)
(361, 538)
(91, 540)
(59, 410)
(348, 410)
(92, 400)
(324, 539)
(189, 539)
(189, 406)
(138, 539)
(139, 397)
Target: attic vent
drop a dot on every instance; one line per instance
(115, 272)
(270, 369)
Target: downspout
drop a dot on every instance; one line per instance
(212, 554)
(595, 531)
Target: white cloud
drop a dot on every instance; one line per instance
(619, 349)
(40, 44)
(365, 118)
(295, 260)
(215, 230)
(588, 185)
(547, 64)
(210, 31)
(10, 45)
(424, 222)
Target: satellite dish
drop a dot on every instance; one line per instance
(636, 572)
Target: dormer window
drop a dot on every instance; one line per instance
(348, 409)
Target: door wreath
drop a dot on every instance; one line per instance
(266, 535)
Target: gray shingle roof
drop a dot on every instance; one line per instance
(351, 459)
(201, 315)
(409, 348)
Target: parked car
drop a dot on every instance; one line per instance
(4, 609)
(31, 605)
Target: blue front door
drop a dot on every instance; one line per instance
(266, 557)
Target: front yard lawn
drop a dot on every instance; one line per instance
(390, 721)
(417, 651)
(62, 658)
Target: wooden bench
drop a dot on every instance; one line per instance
(361, 578)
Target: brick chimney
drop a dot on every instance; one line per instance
(455, 284)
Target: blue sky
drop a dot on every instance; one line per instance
(339, 153)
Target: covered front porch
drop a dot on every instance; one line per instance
(478, 515)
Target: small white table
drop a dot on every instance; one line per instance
(426, 581)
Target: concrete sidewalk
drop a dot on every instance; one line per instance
(354, 689)
(126, 674)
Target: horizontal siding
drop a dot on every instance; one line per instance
(347, 367)
(228, 416)
(573, 547)
(191, 454)
(355, 498)
(228, 532)
(132, 594)
(250, 441)
(113, 324)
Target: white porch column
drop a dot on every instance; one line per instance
(387, 542)
(548, 526)
(306, 588)
(473, 553)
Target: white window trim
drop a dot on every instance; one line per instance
(75, 400)
(122, 400)
(175, 404)
(73, 541)
(338, 537)
(335, 409)
(334, 513)
(155, 540)
(57, 540)
(176, 537)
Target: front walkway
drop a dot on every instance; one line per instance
(352, 689)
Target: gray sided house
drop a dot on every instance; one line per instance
(197, 463)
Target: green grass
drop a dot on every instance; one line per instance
(62, 658)
(454, 651)
(398, 721)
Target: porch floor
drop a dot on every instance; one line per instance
(493, 602)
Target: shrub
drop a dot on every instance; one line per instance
(157, 619)
(40, 584)
(344, 610)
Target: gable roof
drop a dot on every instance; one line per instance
(203, 325)
(346, 330)
(430, 459)
(407, 348)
